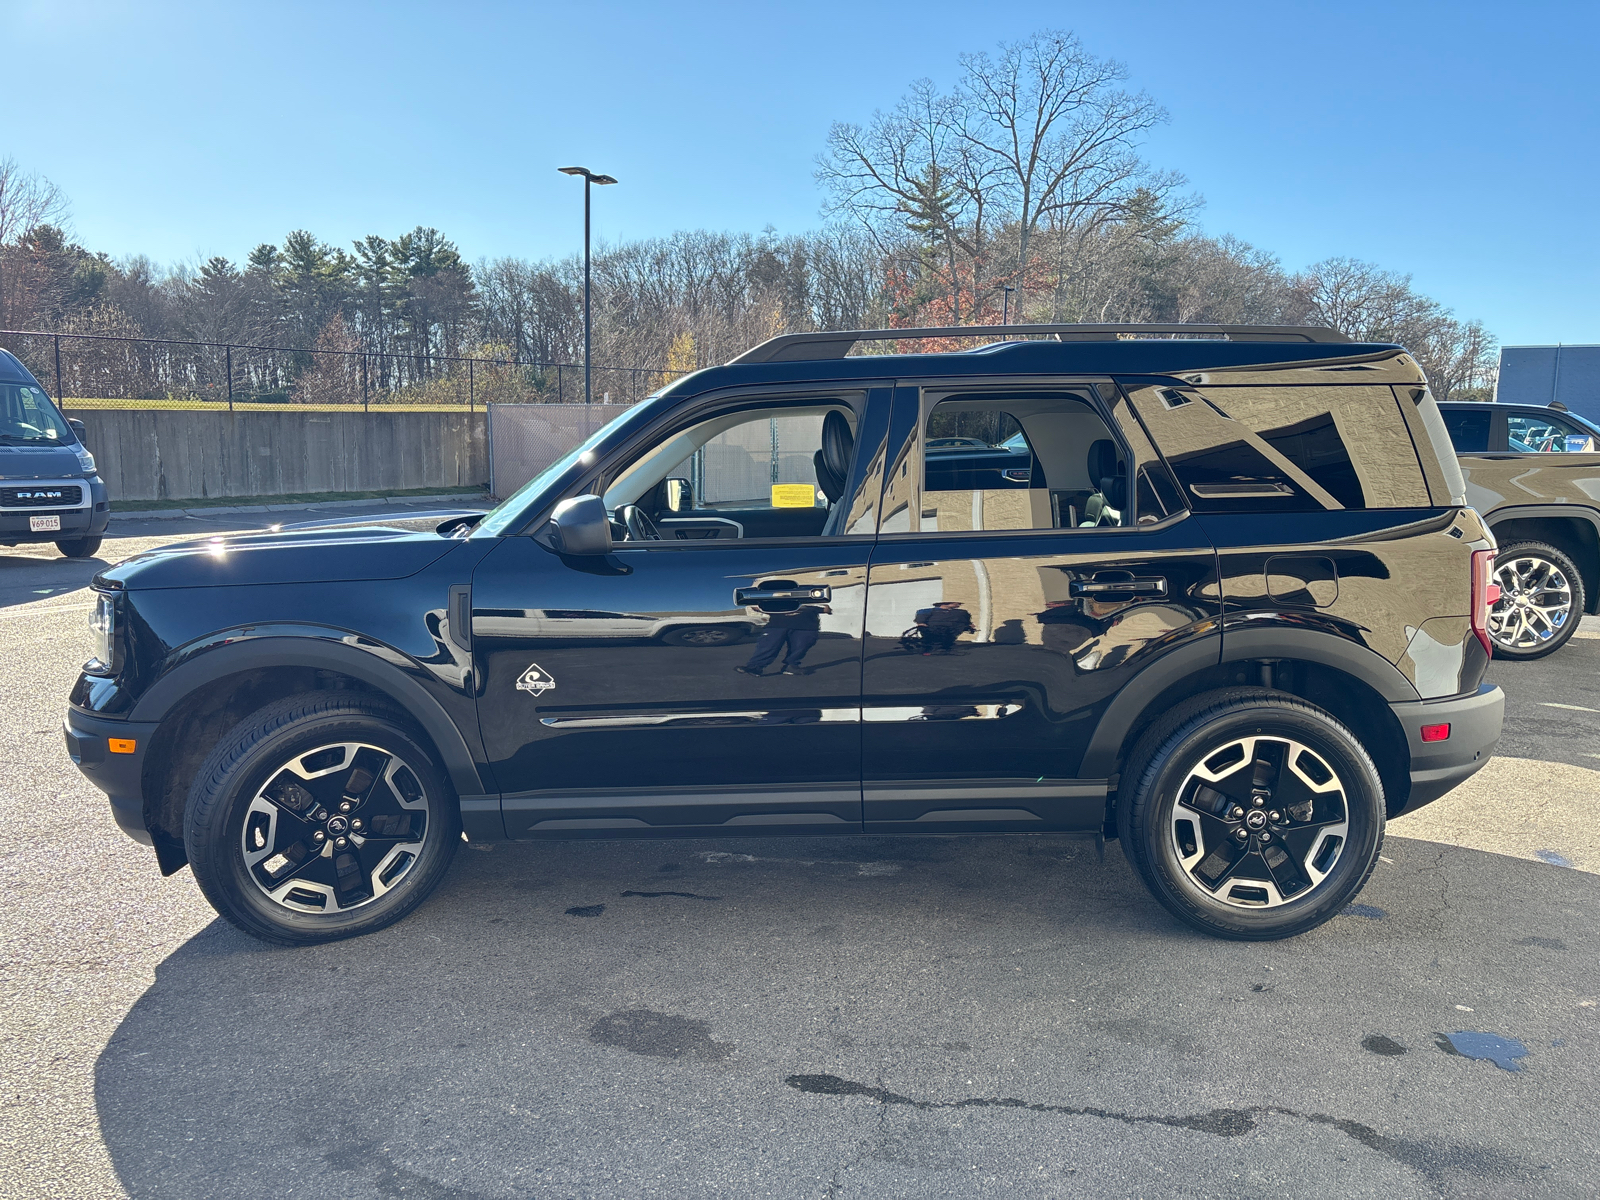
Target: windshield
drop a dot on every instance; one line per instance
(509, 513)
(29, 418)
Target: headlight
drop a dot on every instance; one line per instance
(85, 459)
(103, 624)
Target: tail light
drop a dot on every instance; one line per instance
(1485, 593)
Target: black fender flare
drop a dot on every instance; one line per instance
(1235, 645)
(326, 649)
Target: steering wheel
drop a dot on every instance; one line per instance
(639, 525)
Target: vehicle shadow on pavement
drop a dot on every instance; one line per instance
(871, 1017)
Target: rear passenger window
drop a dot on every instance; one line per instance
(1469, 429)
(1286, 449)
(1020, 461)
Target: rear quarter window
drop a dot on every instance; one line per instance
(1286, 449)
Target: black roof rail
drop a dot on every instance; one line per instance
(804, 347)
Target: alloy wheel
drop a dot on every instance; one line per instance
(334, 828)
(1535, 602)
(1259, 822)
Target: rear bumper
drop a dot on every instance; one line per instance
(1436, 767)
(118, 775)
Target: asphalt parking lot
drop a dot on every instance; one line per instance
(800, 1018)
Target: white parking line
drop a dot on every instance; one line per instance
(1572, 707)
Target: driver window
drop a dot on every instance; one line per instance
(773, 472)
(1021, 462)
(1547, 435)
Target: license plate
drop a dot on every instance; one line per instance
(44, 524)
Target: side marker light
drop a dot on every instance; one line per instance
(121, 745)
(1435, 733)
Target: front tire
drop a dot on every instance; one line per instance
(318, 818)
(1252, 815)
(85, 547)
(1541, 601)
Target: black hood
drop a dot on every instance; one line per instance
(291, 556)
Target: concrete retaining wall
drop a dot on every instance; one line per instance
(177, 454)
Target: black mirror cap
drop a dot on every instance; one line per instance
(79, 428)
(580, 526)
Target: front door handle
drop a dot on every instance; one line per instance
(1128, 585)
(761, 595)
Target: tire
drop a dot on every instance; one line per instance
(703, 635)
(272, 784)
(1541, 601)
(1328, 815)
(86, 547)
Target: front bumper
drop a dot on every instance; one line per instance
(1436, 767)
(89, 520)
(118, 775)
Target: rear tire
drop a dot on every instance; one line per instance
(86, 547)
(1252, 815)
(1541, 601)
(319, 817)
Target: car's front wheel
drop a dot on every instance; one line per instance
(1541, 601)
(1251, 814)
(85, 547)
(319, 817)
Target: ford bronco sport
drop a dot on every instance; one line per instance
(1223, 599)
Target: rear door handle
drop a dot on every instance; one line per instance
(1132, 585)
(760, 595)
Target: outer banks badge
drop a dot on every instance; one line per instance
(535, 680)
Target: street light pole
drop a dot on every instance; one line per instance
(589, 177)
(1005, 319)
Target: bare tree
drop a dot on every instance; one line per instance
(27, 201)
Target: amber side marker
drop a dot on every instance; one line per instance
(121, 745)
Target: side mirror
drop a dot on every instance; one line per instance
(580, 526)
(78, 428)
(679, 495)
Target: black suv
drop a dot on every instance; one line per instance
(1222, 598)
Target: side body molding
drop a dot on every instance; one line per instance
(326, 649)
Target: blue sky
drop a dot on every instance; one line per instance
(1456, 142)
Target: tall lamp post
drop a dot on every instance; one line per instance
(589, 177)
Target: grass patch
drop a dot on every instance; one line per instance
(72, 403)
(299, 498)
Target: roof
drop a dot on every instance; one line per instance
(1154, 356)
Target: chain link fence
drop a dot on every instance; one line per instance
(104, 371)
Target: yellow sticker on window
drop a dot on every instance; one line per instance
(794, 495)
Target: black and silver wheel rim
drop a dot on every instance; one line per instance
(1535, 602)
(1259, 822)
(335, 828)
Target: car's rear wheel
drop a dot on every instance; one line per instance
(1252, 814)
(703, 635)
(1541, 601)
(319, 817)
(86, 547)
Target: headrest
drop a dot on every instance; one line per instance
(1103, 461)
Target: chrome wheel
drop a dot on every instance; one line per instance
(1535, 605)
(1259, 822)
(335, 828)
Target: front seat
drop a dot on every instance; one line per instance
(1105, 506)
(832, 462)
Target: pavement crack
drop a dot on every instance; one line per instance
(1432, 1159)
